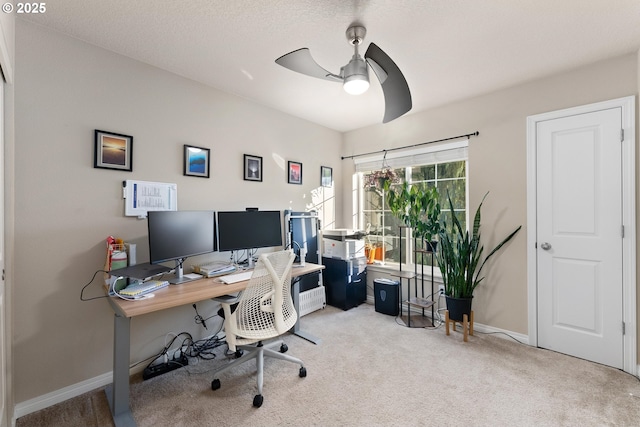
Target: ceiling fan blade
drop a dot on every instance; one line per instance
(301, 61)
(397, 98)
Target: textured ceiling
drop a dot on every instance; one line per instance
(447, 49)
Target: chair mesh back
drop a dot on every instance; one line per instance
(265, 309)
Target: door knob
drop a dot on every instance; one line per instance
(546, 246)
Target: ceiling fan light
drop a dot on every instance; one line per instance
(356, 76)
(356, 85)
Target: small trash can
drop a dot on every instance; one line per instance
(387, 296)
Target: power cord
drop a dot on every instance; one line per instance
(242, 258)
(437, 325)
(164, 353)
(112, 289)
(204, 348)
(82, 298)
(201, 320)
(503, 333)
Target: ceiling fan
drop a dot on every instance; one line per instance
(355, 75)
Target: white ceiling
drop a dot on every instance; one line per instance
(447, 49)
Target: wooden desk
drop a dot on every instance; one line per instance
(169, 297)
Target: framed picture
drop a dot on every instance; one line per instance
(196, 161)
(113, 151)
(295, 172)
(252, 168)
(326, 176)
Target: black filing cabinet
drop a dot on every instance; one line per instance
(345, 281)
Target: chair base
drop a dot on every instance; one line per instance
(259, 351)
(467, 325)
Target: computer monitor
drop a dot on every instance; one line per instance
(177, 235)
(238, 230)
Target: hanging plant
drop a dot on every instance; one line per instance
(377, 180)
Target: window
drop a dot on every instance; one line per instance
(448, 175)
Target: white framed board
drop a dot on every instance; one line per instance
(144, 196)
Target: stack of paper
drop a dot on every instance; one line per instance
(214, 269)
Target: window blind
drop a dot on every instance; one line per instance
(437, 153)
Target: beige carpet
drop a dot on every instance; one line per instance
(371, 371)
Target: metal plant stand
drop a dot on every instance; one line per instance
(416, 301)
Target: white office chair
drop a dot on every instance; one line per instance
(265, 310)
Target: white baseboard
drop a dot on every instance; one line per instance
(501, 333)
(41, 402)
(479, 327)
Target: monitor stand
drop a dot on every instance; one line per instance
(178, 277)
(250, 263)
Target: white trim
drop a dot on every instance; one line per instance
(5, 61)
(41, 402)
(627, 104)
(432, 155)
(532, 255)
(50, 399)
(629, 241)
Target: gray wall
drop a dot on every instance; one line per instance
(65, 208)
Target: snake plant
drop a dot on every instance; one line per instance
(460, 254)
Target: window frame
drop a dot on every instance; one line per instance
(457, 151)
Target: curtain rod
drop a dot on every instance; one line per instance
(476, 133)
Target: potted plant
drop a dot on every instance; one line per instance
(418, 207)
(381, 179)
(460, 261)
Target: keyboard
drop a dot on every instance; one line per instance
(236, 277)
(142, 288)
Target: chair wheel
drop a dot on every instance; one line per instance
(303, 372)
(215, 384)
(257, 400)
(284, 348)
(239, 354)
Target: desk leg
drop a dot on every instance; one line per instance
(400, 287)
(295, 295)
(118, 392)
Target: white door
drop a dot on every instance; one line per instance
(579, 236)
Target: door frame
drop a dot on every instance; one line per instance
(627, 104)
